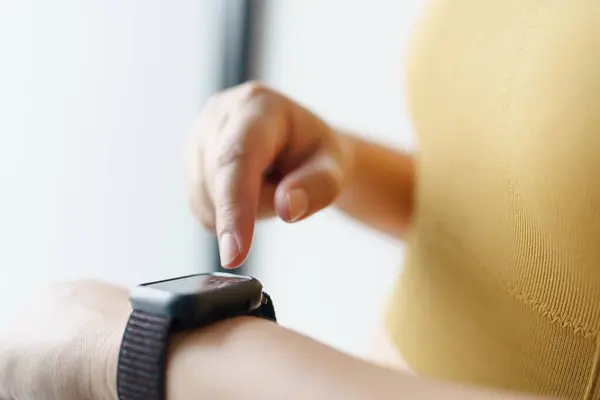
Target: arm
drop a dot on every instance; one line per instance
(379, 188)
(66, 348)
(252, 358)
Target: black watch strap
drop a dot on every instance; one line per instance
(142, 358)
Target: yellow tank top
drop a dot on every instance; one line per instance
(501, 285)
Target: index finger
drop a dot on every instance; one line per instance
(248, 144)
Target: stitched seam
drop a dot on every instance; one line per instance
(538, 305)
(545, 309)
(554, 316)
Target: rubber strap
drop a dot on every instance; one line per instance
(142, 359)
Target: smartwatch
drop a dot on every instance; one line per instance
(164, 307)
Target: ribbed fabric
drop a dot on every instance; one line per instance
(501, 285)
(142, 360)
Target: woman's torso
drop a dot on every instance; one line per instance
(501, 286)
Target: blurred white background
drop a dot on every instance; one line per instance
(95, 101)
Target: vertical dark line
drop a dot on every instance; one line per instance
(237, 51)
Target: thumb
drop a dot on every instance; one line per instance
(314, 185)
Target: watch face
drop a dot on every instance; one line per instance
(198, 283)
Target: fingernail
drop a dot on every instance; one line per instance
(297, 203)
(228, 248)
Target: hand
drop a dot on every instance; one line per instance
(66, 346)
(254, 154)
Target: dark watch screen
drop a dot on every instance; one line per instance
(198, 283)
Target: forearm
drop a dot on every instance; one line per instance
(252, 358)
(380, 185)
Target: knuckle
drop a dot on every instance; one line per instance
(253, 89)
(232, 152)
(228, 212)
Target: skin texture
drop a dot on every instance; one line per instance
(64, 343)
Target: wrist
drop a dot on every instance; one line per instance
(105, 386)
(196, 363)
(205, 362)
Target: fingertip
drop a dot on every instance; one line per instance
(236, 263)
(232, 252)
(231, 266)
(229, 249)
